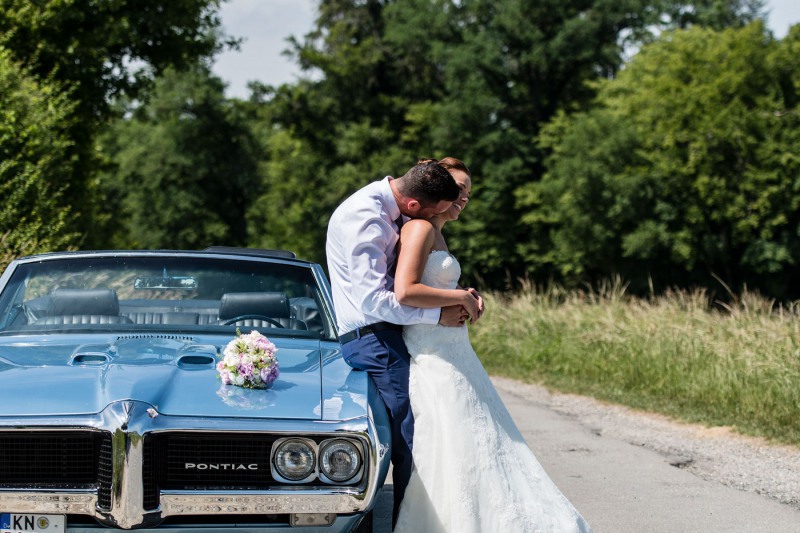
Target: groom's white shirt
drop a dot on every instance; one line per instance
(361, 244)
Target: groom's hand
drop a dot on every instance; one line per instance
(453, 316)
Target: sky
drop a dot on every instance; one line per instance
(266, 24)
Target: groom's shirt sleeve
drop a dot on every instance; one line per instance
(373, 286)
(366, 242)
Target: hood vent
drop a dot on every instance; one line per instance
(156, 336)
(196, 361)
(89, 358)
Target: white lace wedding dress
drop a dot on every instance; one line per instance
(473, 471)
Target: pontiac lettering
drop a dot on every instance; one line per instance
(220, 466)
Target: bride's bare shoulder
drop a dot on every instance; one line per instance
(418, 232)
(417, 226)
(417, 222)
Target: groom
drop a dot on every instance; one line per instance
(361, 248)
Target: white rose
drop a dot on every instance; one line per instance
(239, 380)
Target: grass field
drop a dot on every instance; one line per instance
(681, 354)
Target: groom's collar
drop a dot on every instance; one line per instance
(392, 209)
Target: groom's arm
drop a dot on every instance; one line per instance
(368, 266)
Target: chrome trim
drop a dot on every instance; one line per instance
(327, 300)
(129, 422)
(177, 503)
(373, 460)
(182, 503)
(48, 502)
(127, 490)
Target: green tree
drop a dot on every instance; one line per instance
(324, 138)
(685, 169)
(506, 68)
(101, 50)
(185, 167)
(35, 163)
(473, 79)
(299, 184)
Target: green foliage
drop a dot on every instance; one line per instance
(681, 170)
(714, 14)
(100, 50)
(392, 80)
(474, 79)
(185, 167)
(35, 163)
(91, 45)
(290, 193)
(324, 139)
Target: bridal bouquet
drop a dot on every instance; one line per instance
(249, 361)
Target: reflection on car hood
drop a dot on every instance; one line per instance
(54, 375)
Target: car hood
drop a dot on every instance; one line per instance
(176, 375)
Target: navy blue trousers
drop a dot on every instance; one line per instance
(385, 357)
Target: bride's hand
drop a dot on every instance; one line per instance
(471, 305)
(481, 305)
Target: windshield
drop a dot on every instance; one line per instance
(163, 293)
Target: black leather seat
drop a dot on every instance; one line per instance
(163, 317)
(252, 309)
(305, 309)
(83, 306)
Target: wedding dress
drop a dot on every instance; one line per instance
(473, 471)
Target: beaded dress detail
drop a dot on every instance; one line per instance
(473, 471)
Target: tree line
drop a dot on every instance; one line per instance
(652, 139)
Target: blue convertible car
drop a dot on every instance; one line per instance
(113, 413)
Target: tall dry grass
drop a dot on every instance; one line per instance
(682, 354)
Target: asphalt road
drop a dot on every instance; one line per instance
(620, 484)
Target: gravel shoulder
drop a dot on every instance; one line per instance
(716, 454)
(627, 470)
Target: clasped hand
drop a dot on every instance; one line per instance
(471, 309)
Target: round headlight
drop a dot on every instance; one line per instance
(294, 460)
(339, 460)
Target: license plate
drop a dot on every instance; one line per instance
(17, 523)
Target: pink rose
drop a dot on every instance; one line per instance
(246, 369)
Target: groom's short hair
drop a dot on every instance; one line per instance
(429, 183)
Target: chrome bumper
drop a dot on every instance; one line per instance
(175, 503)
(129, 421)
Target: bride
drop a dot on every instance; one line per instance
(473, 471)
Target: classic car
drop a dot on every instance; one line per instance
(114, 413)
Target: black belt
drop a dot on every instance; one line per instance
(366, 330)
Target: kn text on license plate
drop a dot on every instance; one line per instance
(18, 523)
